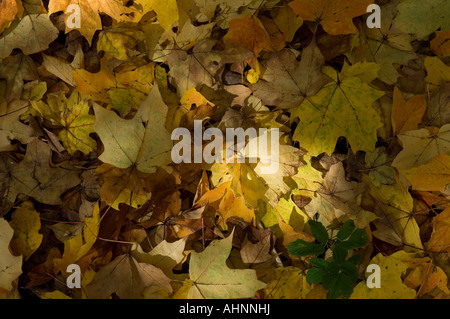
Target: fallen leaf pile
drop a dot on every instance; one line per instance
(86, 120)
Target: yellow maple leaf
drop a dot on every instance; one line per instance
(392, 286)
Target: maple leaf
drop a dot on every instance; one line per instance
(34, 176)
(440, 44)
(285, 82)
(10, 266)
(335, 17)
(249, 33)
(78, 246)
(122, 186)
(9, 10)
(59, 68)
(16, 70)
(226, 204)
(406, 115)
(420, 146)
(438, 109)
(166, 11)
(33, 34)
(419, 277)
(363, 112)
(73, 116)
(129, 143)
(432, 176)
(259, 252)
(290, 283)
(10, 126)
(379, 171)
(211, 278)
(282, 28)
(392, 286)
(89, 11)
(396, 223)
(125, 90)
(201, 67)
(440, 237)
(164, 256)
(422, 18)
(387, 46)
(117, 41)
(437, 73)
(325, 116)
(127, 278)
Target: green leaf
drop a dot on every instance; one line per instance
(354, 259)
(319, 231)
(357, 240)
(346, 230)
(350, 269)
(319, 262)
(337, 280)
(339, 253)
(301, 248)
(315, 275)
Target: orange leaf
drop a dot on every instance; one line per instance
(441, 43)
(427, 277)
(440, 238)
(407, 114)
(249, 33)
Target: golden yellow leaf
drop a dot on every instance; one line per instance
(392, 287)
(78, 246)
(407, 114)
(432, 176)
